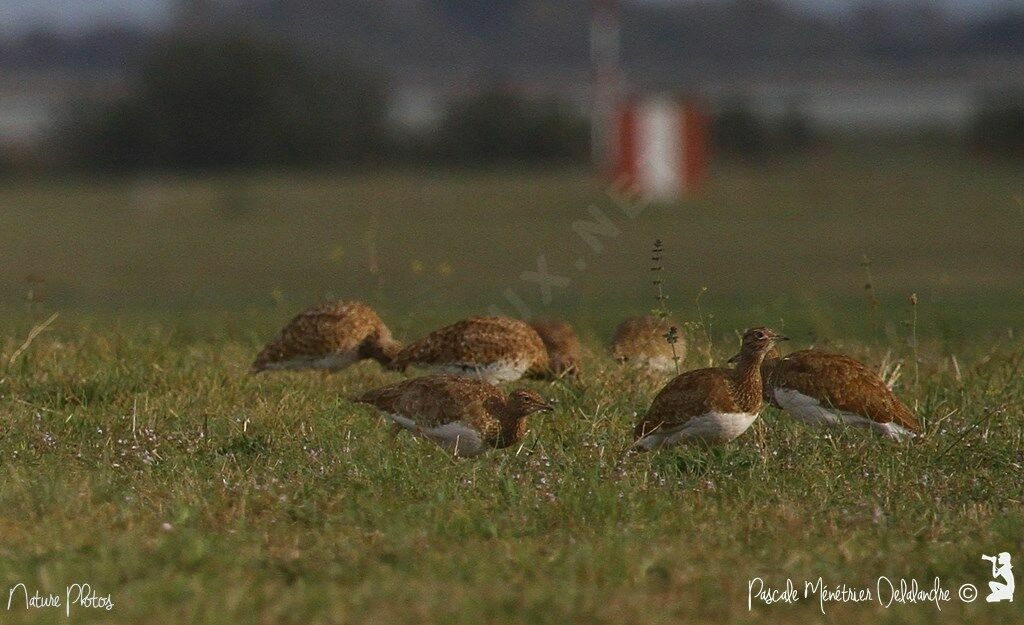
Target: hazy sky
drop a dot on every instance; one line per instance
(70, 14)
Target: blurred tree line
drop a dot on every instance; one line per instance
(238, 100)
(216, 100)
(998, 124)
(738, 129)
(230, 101)
(498, 125)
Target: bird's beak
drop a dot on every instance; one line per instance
(547, 408)
(779, 337)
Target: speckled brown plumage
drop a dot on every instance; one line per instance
(641, 341)
(562, 344)
(431, 403)
(838, 382)
(330, 335)
(712, 391)
(476, 346)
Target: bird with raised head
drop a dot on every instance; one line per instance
(820, 388)
(464, 416)
(710, 406)
(329, 336)
(494, 349)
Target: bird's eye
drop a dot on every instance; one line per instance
(760, 336)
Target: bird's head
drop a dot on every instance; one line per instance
(524, 402)
(758, 341)
(381, 348)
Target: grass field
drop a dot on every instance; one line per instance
(139, 457)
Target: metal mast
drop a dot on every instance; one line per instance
(606, 85)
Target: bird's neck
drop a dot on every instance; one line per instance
(512, 429)
(771, 358)
(747, 381)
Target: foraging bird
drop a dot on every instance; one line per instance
(494, 349)
(820, 388)
(643, 343)
(329, 336)
(465, 416)
(562, 344)
(713, 405)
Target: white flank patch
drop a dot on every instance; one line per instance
(810, 411)
(456, 438)
(896, 431)
(805, 408)
(330, 362)
(403, 421)
(494, 373)
(713, 428)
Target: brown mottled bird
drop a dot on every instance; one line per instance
(494, 349)
(713, 405)
(329, 336)
(465, 416)
(820, 388)
(641, 342)
(562, 344)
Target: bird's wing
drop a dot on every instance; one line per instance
(842, 383)
(326, 328)
(689, 395)
(483, 339)
(434, 401)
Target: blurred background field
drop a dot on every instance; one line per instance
(193, 158)
(212, 167)
(782, 241)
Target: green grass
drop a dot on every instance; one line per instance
(139, 457)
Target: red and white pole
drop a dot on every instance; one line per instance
(661, 147)
(655, 146)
